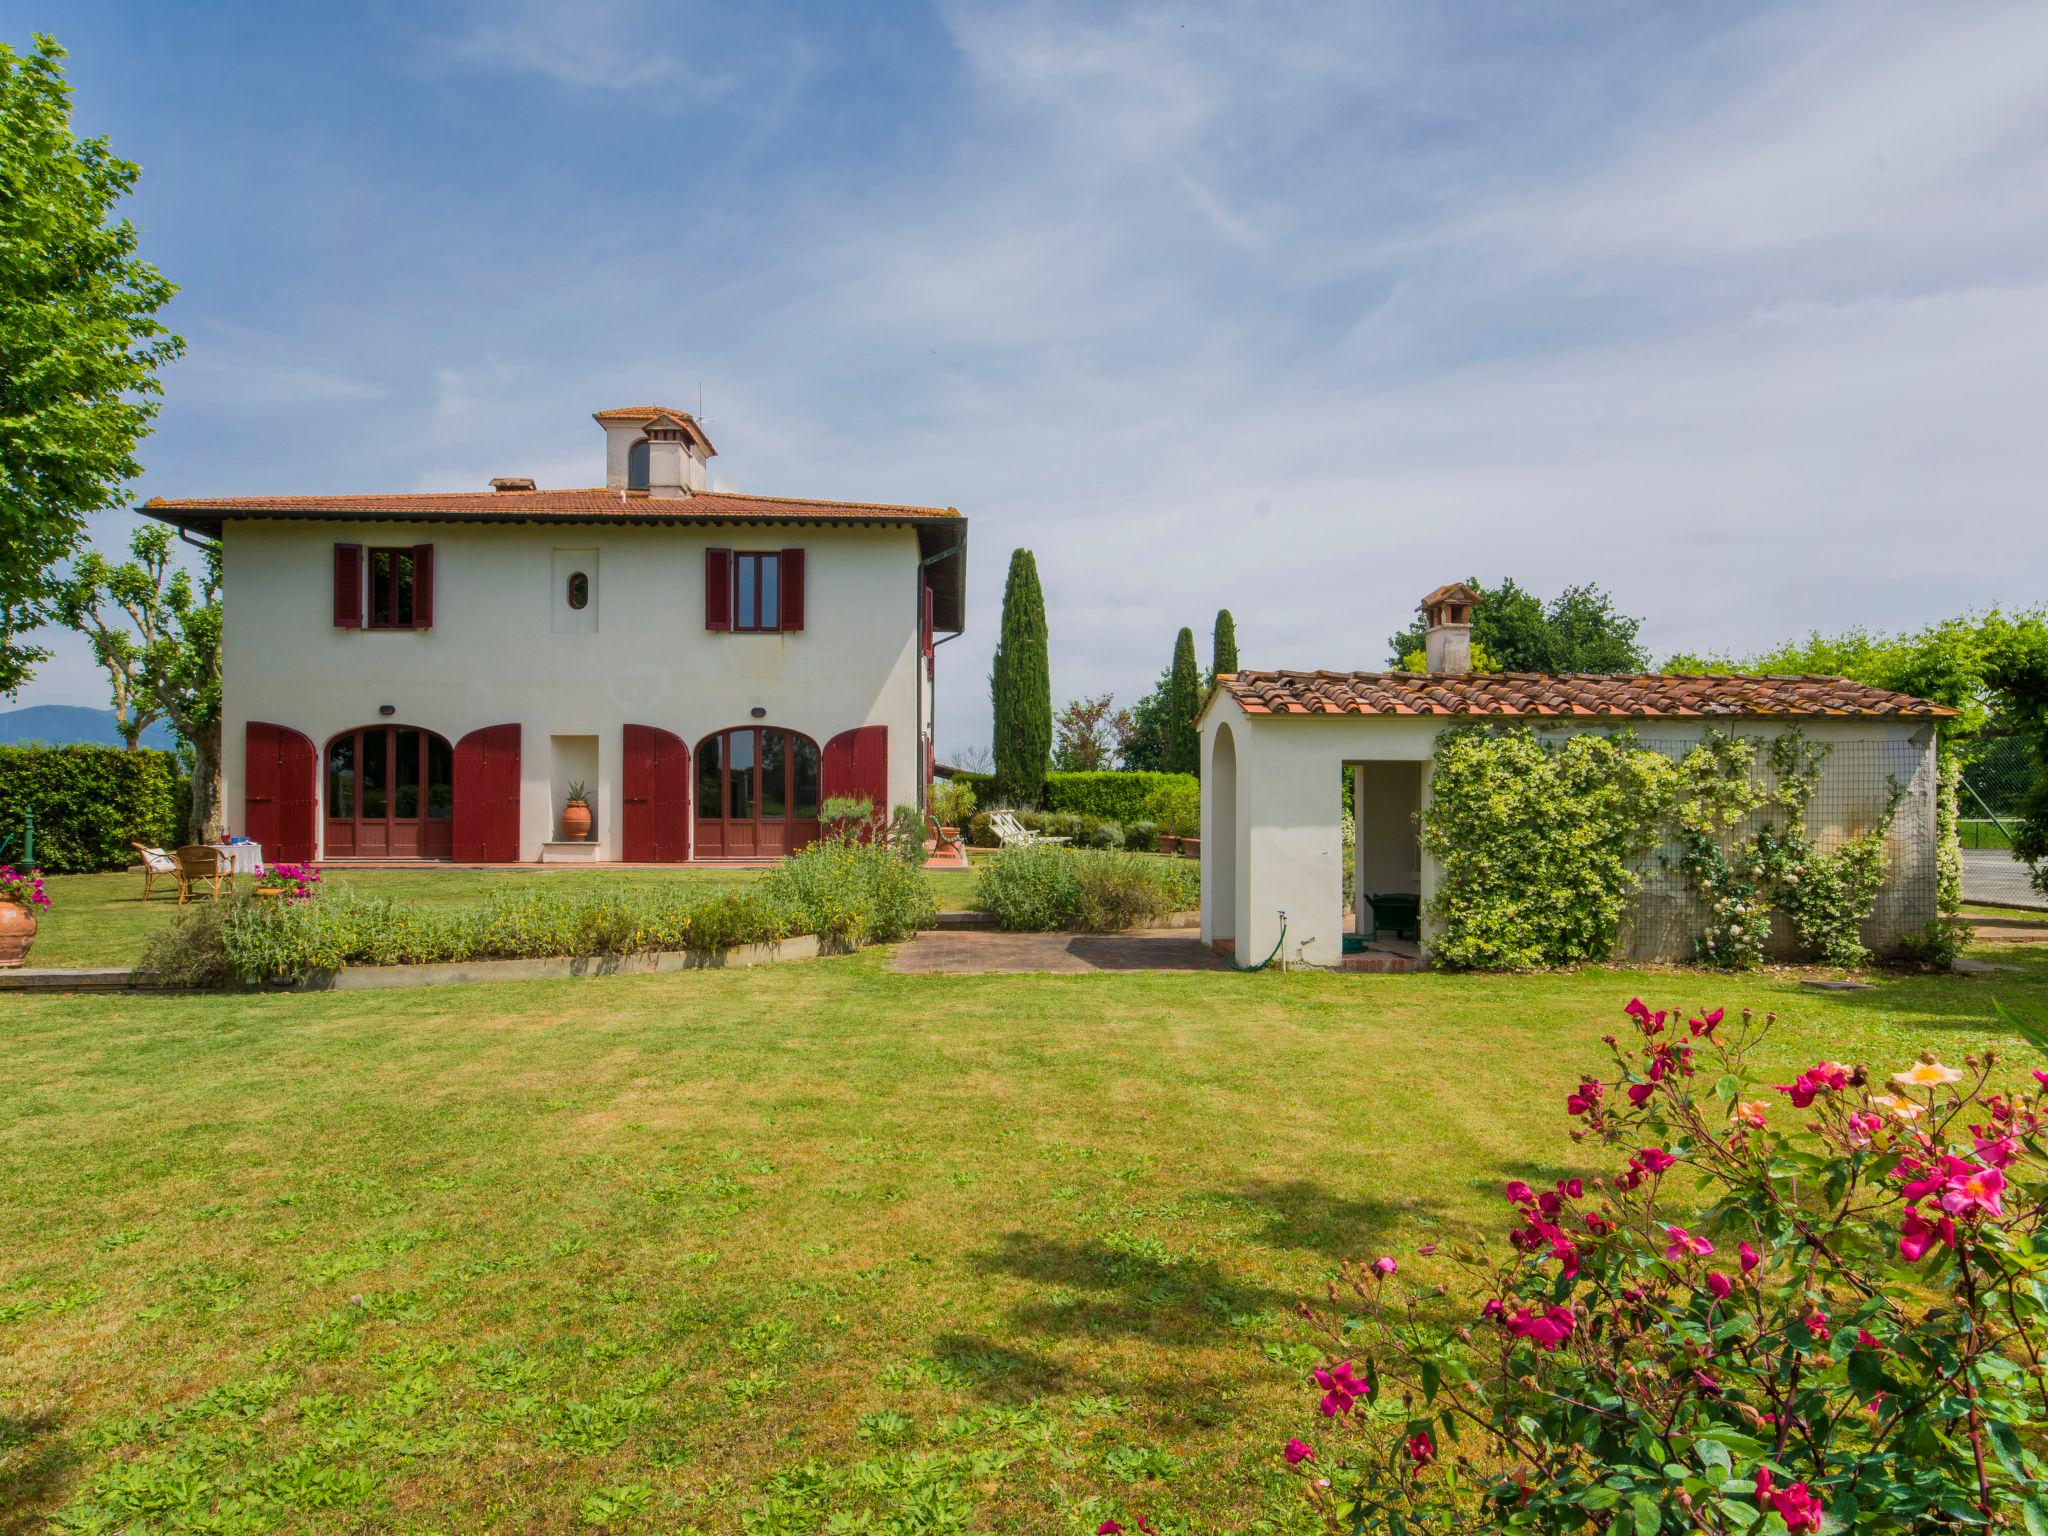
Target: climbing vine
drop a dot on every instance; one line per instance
(1542, 846)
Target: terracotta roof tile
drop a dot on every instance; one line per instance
(1525, 695)
(518, 506)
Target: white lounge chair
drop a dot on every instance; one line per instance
(1012, 833)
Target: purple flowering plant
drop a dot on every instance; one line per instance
(25, 888)
(1818, 1307)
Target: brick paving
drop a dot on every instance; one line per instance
(971, 952)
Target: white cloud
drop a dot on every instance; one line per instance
(613, 45)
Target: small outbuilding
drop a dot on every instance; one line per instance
(1278, 747)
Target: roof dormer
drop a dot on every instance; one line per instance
(654, 448)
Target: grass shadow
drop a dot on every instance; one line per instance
(34, 1467)
(1304, 1216)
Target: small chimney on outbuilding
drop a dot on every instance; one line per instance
(1447, 632)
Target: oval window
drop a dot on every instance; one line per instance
(579, 590)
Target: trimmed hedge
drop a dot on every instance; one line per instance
(1110, 796)
(90, 802)
(1118, 797)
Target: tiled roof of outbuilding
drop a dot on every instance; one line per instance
(1536, 695)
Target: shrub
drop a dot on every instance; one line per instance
(1845, 1335)
(90, 803)
(1938, 944)
(1048, 888)
(981, 785)
(951, 801)
(845, 891)
(1176, 805)
(1118, 893)
(1142, 836)
(1119, 797)
(852, 893)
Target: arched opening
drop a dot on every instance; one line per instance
(390, 794)
(758, 789)
(1219, 839)
(638, 471)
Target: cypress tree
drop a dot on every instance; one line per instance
(1020, 688)
(1184, 697)
(1223, 645)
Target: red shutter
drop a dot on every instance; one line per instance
(857, 763)
(278, 771)
(792, 590)
(348, 586)
(718, 589)
(655, 822)
(423, 586)
(924, 623)
(486, 829)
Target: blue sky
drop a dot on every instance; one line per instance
(1736, 310)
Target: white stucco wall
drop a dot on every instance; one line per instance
(1288, 807)
(502, 648)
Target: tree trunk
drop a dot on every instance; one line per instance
(203, 821)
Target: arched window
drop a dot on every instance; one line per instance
(579, 590)
(390, 794)
(638, 473)
(758, 789)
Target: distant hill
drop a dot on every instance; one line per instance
(58, 724)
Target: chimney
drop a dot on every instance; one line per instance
(1447, 637)
(668, 460)
(654, 449)
(512, 483)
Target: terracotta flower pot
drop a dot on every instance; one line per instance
(576, 822)
(1168, 842)
(1190, 847)
(17, 933)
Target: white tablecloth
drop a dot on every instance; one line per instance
(243, 858)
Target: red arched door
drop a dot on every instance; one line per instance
(390, 794)
(654, 821)
(757, 793)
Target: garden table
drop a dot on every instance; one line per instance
(242, 858)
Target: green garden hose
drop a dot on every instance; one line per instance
(1248, 969)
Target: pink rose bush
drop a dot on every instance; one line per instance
(1816, 1311)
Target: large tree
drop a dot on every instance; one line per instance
(157, 631)
(1579, 630)
(1020, 687)
(1222, 645)
(80, 344)
(1144, 751)
(1184, 696)
(1089, 734)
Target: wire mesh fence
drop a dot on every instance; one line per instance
(1858, 781)
(1999, 774)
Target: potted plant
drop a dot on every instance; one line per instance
(952, 804)
(20, 895)
(846, 815)
(576, 817)
(295, 881)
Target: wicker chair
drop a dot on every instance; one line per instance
(155, 863)
(199, 864)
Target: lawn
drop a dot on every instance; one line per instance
(745, 1251)
(103, 920)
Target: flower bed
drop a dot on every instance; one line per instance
(841, 891)
(1810, 1307)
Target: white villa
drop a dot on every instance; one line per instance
(426, 676)
(1276, 744)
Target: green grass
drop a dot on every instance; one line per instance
(1982, 834)
(659, 1253)
(102, 919)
